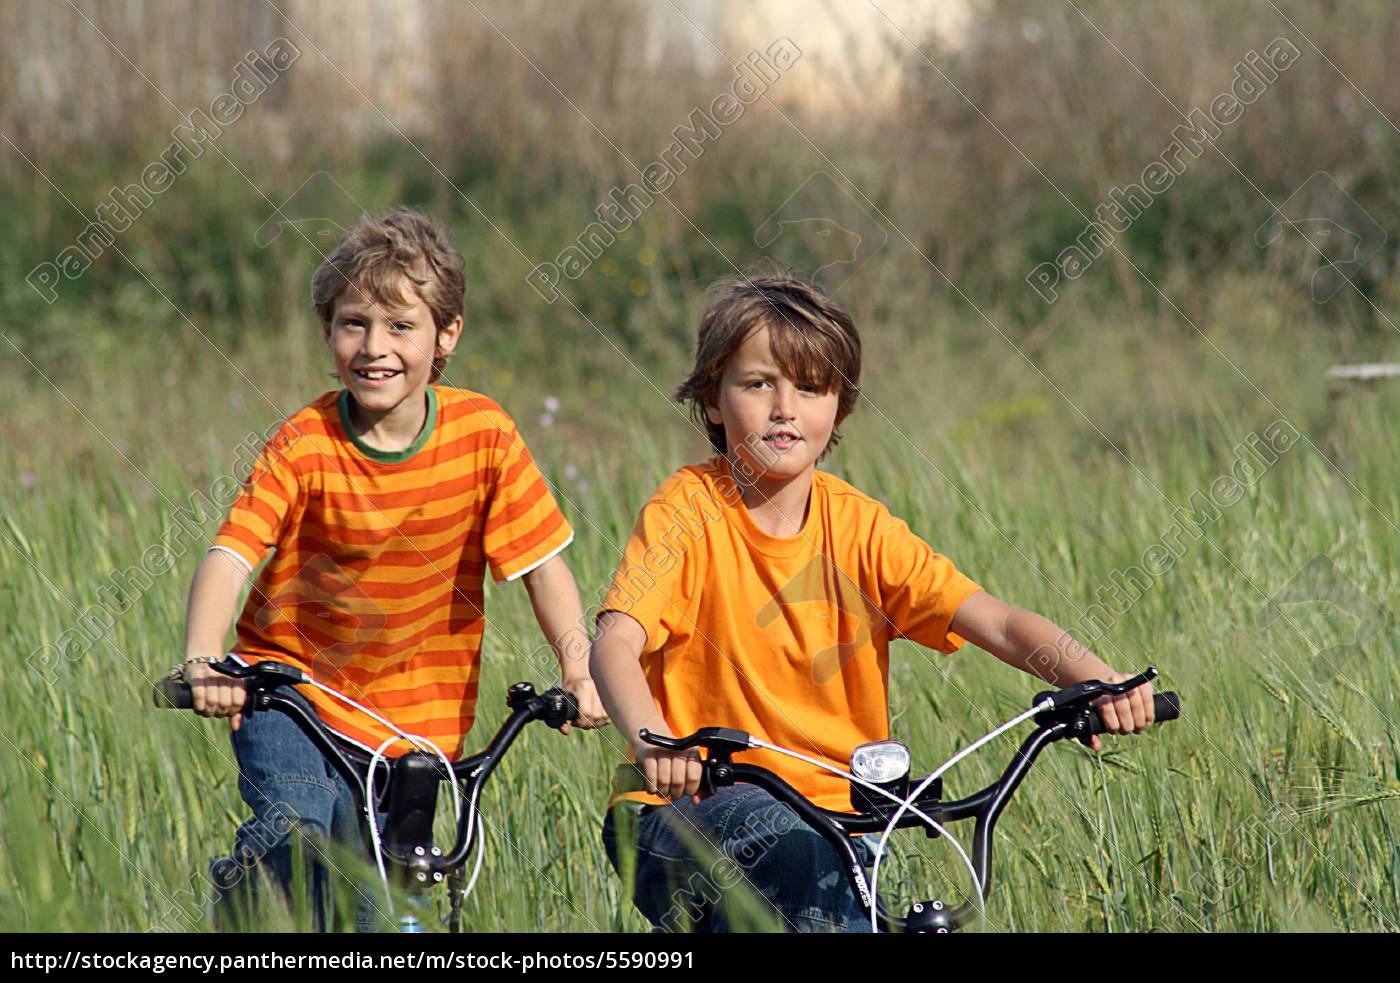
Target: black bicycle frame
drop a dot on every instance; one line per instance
(1072, 716)
(407, 842)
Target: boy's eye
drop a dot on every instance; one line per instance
(403, 326)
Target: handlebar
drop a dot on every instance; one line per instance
(1066, 713)
(1165, 707)
(554, 707)
(172, 692)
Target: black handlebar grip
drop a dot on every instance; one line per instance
(1165, 706)
(173, 693)
(570, 708)
(554, 706)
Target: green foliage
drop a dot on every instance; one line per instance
(115, 807)
(1043, 447)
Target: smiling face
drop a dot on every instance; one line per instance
(779, 426)
(384, 349)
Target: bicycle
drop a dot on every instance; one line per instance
(410, 794)
(883, 801)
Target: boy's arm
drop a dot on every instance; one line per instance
(1038, 646)
(218, 583)
(554, 596)
(617, 667)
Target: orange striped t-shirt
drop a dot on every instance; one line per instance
(788, 637)
(375, 587)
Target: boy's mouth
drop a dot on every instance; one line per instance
(781, 439)
(376, 376)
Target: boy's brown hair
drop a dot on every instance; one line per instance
(379, 255)
(813, 340)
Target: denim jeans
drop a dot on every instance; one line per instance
(740, 841)
(304, 818)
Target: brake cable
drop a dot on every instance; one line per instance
(933, 776)
(905, 805)
(371, 812)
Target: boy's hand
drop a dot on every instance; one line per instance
(591, 714)
(1130, 713)
(672, 775)
(216, 695)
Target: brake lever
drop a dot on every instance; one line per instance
(1081, 694)
(269, 674)
(710, 738)
(232, 669)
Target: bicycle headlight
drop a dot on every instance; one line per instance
(881, 762)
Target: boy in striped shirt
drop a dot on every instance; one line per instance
(385, 503)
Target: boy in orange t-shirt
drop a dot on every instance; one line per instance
(759, 593)
(379, 509)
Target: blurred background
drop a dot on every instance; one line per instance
(1040, 399)
(970, 143)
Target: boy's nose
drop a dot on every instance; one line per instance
(784, 403)
(373, 345)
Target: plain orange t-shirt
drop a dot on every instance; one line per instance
(786, 638)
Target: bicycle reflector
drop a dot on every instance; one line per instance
(882, 763)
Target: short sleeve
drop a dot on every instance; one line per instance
(921, 590)
(648, 576)
(524, 526)
(259, 516)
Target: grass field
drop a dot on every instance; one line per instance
(1155, 460)
(1271, 805)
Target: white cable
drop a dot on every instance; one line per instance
(372, 813)
(880, 847)
(913, 797)
(372, 817)
(481, 847)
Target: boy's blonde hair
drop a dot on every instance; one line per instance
(379, 255)
(813, 340)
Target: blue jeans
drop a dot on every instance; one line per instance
(304, 818)
(739, 842)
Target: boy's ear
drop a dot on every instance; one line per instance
(713, 415)
(448, 335)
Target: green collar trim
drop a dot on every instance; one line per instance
(382, 456)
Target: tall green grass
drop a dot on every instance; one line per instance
(113, 808)
(1041, 447)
